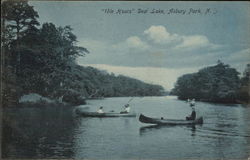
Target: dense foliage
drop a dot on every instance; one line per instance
(219, 83)
(42, 60)
(244, 92)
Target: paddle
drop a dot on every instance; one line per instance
(127, 103)
(130, 100)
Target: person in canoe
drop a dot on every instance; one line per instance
(126, 109)
(100, 110)
(192, 103)
(192, 116)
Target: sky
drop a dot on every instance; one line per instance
(155, 42)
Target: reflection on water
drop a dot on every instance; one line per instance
(57, 132)
(153, 128)
(38, 132)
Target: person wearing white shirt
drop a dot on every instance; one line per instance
(100, 110)
(126, 109)
(192, 103)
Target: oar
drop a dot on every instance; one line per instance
(130, 100)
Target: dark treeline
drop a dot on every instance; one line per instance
(100, 83)
(219, 83)
(41, 59)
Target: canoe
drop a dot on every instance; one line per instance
(95, 114)
(108, 114)
(159, 121)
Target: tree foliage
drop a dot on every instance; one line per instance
(19, 19)
(244, 92)
(19, 16)
(16, 18)
(219, 83)
(45, 60)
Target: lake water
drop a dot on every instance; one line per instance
(57, 132)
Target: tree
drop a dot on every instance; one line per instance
(59, 44)
(219, 83)
(48, 56)
(18, 17)
(246, 76)
(244, 90)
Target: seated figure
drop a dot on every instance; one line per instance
(100, 110)
(126, 109)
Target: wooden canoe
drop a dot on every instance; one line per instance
(159, 121)
(102, 115)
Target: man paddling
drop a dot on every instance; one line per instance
(100, 110)
(192, 103)
(126, 109)
(192, 116)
